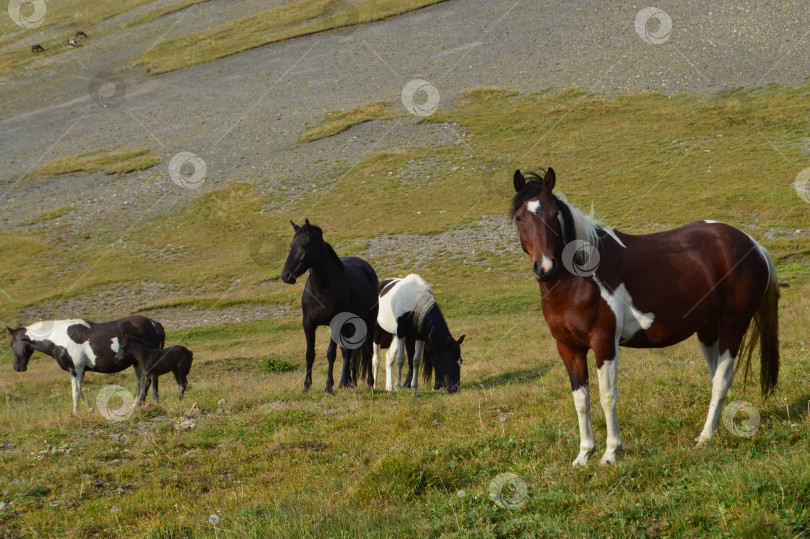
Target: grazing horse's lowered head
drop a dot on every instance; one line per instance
(21, 345)
(306, 248)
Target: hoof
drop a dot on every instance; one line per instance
(329, 390)
(305, 390)
(583, 458)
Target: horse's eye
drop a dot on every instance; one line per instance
(518, 219)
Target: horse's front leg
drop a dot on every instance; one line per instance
(76, 377)
(331, 354)
(608, 370)
(401, 358)
(309, 333)
(390, 357)
(139, 378)
(576, 363)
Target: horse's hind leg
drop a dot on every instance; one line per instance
(155, 392)
(710, 346)
(375, 357)
(731, 332)
(331, 353)
(182, 383)
(400, 360)
(419, 348)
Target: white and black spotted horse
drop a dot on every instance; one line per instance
(408, 308)
(80, 345)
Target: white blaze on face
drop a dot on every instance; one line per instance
(629, 320)
(533, 206)
(545, 263)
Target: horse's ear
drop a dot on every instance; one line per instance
(10, 330)
(306, 222)
(295, 227)
(519, 181)
(460, 340)
(549, 180)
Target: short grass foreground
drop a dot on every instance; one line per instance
(256, 458)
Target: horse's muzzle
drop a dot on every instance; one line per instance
(545, 275)
(19, 368)
(288, 277)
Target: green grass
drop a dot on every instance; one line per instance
(300, 18)
(109, 160)
(339, 121)
(274, 462)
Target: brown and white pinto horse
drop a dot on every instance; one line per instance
(646, 291)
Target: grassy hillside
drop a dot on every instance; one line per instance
(270, 461)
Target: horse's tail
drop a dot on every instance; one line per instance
(765, 329)
(366, 353)
(427, 365)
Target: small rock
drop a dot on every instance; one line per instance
(185, 424)
(222, 405)
(461, 493)
(120, 490)
(195, 408)
(16, 481)
(3, 505)
(437, 422)
(213, 519)
(502, 419)
(189, 452)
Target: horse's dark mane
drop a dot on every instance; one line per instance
(329, 249)
(434, 329)
(333, 255)
(534, 186)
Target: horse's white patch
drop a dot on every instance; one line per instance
(114, 346)
(711, 352)
(411, 294)
(533, 206)
(545, 263)
(56, 331)
(709, 221)
(628, 319)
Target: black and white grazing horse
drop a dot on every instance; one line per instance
(81, 345)
(340, 293)
(408, 307)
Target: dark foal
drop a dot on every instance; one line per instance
(340, 293)
(154, 362)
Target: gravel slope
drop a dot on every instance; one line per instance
(243, 114)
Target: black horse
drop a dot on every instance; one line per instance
(340, 293)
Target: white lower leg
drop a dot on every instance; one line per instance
(389, 366)
(720, 384)
(609, 396)
(76, 391)
(375, 363)
(582, 402)
(401, 359)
